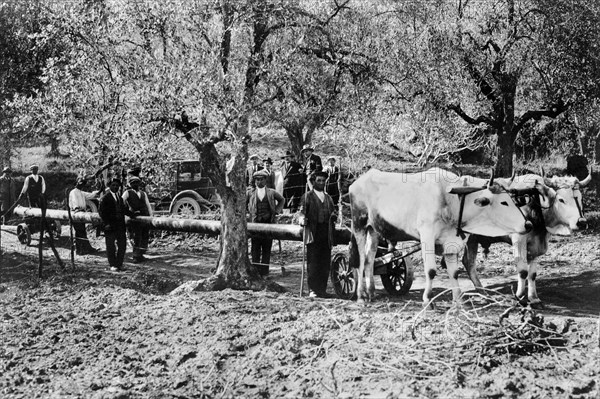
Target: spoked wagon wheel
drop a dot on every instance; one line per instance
(187, 207)
(400, 277)
(343, 277)
(23, 234)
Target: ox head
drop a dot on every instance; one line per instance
(489, 210)
(563, 205)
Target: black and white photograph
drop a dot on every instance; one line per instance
(299, 199)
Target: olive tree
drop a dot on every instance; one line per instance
(505, 63)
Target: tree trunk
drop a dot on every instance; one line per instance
(296, 137)
(506, 149)
(54, 150)
(507, 135)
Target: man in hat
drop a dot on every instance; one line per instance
(77, 203)
(8, 194)
(263, 205)
(312, 164)
(268, 167)
(136, 200)
(317, 214)
(333, 180)
(112, 211)
(34, 187)
(293, 181)
(251, 169)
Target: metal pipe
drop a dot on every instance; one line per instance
(211, 227)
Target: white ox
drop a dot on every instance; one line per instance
(425, 207)
(555, 208)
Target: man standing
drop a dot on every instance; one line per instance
(263, 205)
(251, 169)
(77, 203)
(112, 212)
(8, 194)
(293, 182)
(35, 188)
(317, 214)
(138, 204)
(268, 167)
(312, 164)
(333, 180)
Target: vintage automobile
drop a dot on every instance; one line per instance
(189, 194)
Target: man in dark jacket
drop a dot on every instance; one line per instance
(317, 214)
(263, 205)
(312, 164)
(293, 181)
(112, 212)
(138, 204)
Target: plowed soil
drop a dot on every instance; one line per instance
(87, 332)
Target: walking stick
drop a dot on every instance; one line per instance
(304, 244)
(303, 260)
(71, 230)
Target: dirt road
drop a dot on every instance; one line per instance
(93, 333)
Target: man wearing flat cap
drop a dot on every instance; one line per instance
(263, 205)
(317, 215)
(34, 187)
(293, 181)
(253, 167)
(136, 200)
(77, 202)
(312, 164)
(8, 194)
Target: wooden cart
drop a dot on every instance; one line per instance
(395, 268)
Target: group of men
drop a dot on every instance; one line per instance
(310, 189)
(114, 204)
(297, 176)
(307, 187)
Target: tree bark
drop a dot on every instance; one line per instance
(506, 149)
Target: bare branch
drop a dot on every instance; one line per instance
(473, 121)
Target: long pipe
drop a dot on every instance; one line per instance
(211, 227)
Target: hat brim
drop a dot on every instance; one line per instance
(307, 149)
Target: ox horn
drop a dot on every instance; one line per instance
(587, 180)
(512, 178)
(491, 181)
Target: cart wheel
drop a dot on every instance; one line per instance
(23, 234)
(343, 277)
(400, 278)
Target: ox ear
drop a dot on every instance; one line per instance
(542, 172)
(462, 190)
(482, 201)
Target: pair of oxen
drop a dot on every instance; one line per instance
(449, 214)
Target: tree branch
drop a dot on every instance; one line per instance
(473, 121)
(552, 112)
